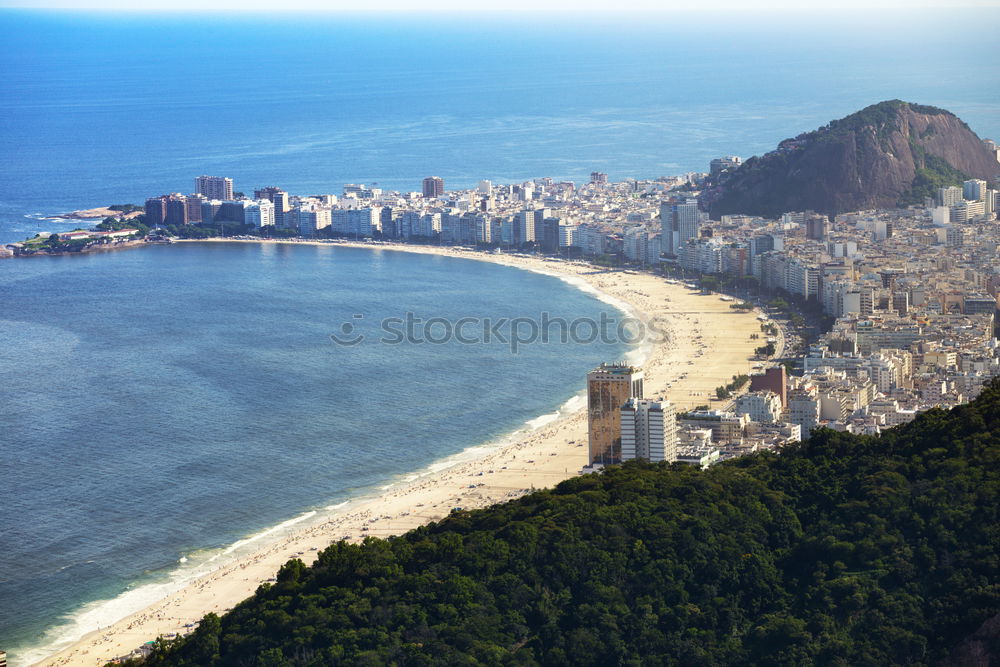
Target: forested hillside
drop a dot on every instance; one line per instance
(843, 551)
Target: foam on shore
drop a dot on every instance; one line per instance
(141, 594)
(190, 567)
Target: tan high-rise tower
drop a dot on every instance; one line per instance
(609, 386)
(433, 187)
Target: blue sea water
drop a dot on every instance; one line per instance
(102, 108)
(163, 403)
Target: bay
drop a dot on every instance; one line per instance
(145, 394)
(162, 403)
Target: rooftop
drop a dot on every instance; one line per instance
(616, 368)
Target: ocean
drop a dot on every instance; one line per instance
(159, 405)
(113, 108)
(163, 403)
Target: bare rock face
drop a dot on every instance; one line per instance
(878, 157)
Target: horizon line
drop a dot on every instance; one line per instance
(563, 12)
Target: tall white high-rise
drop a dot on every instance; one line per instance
(484, 228)
(803, 408)
(525, 226)
(408, 224)
(950, 196)
(259, 213)
(649, 431)
(668, 228)
(567, 234)
(364, 221)
(429, 225)
(214, 187)
(974, 189)
(939, 216)
(281, 204)
(688, 222)
(311, 219)
(636, 244)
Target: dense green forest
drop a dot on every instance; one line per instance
(882, 115)
(932, 173)
(845, 550)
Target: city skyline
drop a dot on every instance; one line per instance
(456, 253)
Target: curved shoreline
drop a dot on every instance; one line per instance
(525, 460)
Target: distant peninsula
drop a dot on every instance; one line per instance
(125, 211)
(888, 154)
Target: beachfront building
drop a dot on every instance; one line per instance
(668, 228)
(649, 431)
(688, 222)
(609, 387)
(679, 223)
(279, 198)
(156, 211)
(214, 187)
(310, 219)
(364, 222)
(524, 227)
(169, 209)
(259, 213)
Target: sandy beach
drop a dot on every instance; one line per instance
(708, 343)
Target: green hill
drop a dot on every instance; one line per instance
(846, 550)
(888, 154)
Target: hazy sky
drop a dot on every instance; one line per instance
(489, 5)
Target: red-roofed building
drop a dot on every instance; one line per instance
(72, 236)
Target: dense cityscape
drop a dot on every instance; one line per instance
(907, 297)
(551, 334)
